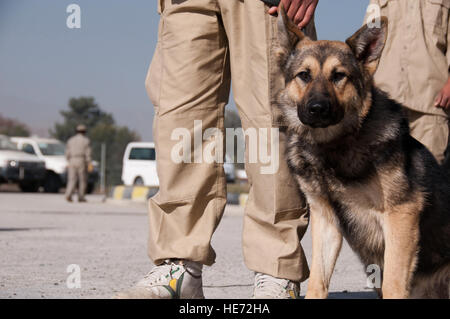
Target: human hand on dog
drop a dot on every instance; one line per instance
(443, 98)
(299, 11)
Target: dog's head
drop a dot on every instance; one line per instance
(328, 84)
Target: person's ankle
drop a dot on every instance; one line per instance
(192, 267)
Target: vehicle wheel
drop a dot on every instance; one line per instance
(31, 187)
(52, 184)
(138, 181)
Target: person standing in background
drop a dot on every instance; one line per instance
(78, 154)
(414, 67)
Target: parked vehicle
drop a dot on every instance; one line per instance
(229, 169)
(241, 176)
(19, 167)
(139, 164)
(52, 152)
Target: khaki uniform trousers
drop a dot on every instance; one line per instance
(202, 45)
(76, 173)
(431, 130)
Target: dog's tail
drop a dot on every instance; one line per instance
(432, 286)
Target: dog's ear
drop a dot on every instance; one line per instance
(289, 35)
(368, 43)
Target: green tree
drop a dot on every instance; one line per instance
(101, 128)
(82, 110)
(13, 127)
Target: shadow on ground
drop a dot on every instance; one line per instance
(24, 229)
(353, 295)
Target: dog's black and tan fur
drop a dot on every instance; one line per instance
(364, 176)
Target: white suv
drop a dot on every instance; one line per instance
(19, 167)
(139, 164)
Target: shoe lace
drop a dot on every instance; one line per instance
(271, 285)
(162, 273)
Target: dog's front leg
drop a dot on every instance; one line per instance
(401, 234)
(326, 244)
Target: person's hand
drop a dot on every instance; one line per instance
(443, 98)
(299, 11)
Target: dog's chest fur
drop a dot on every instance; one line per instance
(348, 180)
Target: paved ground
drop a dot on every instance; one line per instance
(41, 235)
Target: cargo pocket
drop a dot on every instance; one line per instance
(435, 14)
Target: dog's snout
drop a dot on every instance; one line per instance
(319, 108)
(318, 112)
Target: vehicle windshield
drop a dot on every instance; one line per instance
(52, 149)
(6, 144)
(142, 153)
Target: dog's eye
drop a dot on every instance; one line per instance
(304, 76)
(338, 76)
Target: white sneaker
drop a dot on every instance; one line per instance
(268, 287)
(175, 279)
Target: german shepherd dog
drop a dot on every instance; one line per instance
(365, 178)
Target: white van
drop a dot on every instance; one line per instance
(139, 164)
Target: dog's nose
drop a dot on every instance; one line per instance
(319, 108)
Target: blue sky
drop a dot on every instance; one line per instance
(43, 63)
